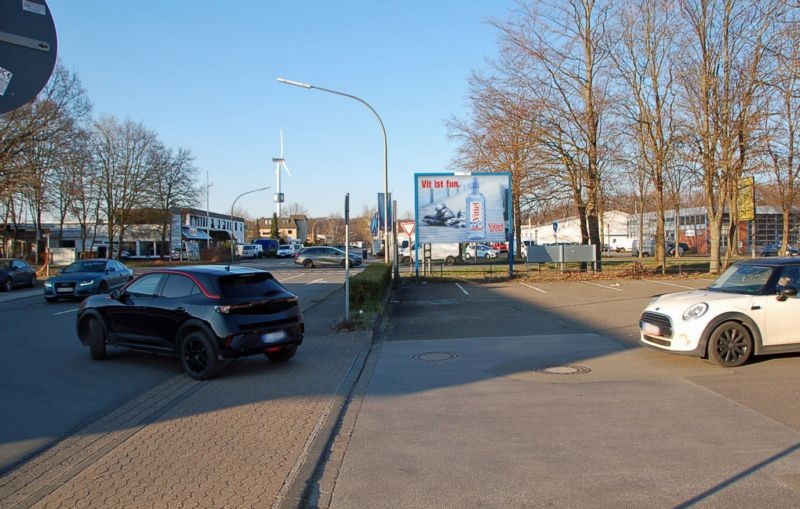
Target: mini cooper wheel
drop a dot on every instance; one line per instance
(199, 355)
(730, 345)
(283, 355)
(97, 339)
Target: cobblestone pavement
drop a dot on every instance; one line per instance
(239, 440)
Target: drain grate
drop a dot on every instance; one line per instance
(564, 370)
(435, 356)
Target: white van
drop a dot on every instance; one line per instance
(249, 250)
(450, 253)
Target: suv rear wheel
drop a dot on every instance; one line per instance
(199, 355)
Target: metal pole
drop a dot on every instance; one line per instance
(347, 256)
(385, 155)
(234, 205)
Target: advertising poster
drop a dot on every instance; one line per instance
(462, 208)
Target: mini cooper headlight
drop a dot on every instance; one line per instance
(696, 311)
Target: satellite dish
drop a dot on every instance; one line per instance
(27, 51)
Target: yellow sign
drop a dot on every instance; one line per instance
(745, 204)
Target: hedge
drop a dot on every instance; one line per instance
(368, 287)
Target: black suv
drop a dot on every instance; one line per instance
(203, 314)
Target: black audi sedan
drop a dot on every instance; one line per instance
(203, 314)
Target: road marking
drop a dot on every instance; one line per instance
(291, 277)
(462, 289)
(602, 286)
(316, 281)
(65, 312)
(670, 284)
(533, 288)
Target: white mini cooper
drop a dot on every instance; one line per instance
(752, 308)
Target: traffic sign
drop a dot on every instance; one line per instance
(27, 51)
(408, 228)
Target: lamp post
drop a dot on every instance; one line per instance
(385, 155)
(313, 227)
(232, 206)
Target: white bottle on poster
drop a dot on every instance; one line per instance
(476, 213)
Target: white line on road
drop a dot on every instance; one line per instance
(316, 281)
(670, 284)
(291, 277)
(65, 312)
(602, 286)
(462, 289)
(533, 288)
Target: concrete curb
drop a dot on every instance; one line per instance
(313, 481)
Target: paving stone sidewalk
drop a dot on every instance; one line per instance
(239, 440)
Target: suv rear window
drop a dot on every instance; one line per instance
(258, 284)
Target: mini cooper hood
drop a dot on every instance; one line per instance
(680, 301)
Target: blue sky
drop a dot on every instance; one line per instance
(202, 74)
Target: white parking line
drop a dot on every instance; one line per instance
(670, 284)
(65, 312)
(533, 288)
(602, 286)
(462, 289)
(291, 277)
(316, 281)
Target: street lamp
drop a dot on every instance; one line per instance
(232, 206)
(313, 237)
(385, 156)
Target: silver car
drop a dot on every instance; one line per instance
(310, 257)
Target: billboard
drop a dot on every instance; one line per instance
(462, 208)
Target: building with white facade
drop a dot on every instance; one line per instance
(568, 230)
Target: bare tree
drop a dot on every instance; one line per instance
(121, 155)
(782, 127)
(565, 49)
(721, 72)
(501, 136)
(173, 183)
(644, 62)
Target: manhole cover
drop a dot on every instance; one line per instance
(564, 370)
(435, 356)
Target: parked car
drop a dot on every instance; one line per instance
(670, 247)
(202, 314)
(775, 248)
(14, 273)
(750, 309)
(649, 248)
(480, 251)
(285, 251)
(179, 254)
(310, 257)
(87, 277)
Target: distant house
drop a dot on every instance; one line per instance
(293, 227)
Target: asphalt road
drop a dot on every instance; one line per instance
(49, 386)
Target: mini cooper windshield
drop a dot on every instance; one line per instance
(743, 279)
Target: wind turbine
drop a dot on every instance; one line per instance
(280, 162)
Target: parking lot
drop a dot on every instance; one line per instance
(537, 394)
